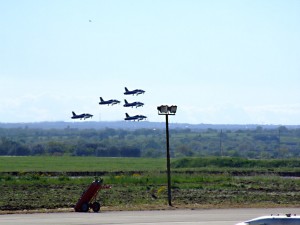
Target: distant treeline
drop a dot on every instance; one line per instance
(255, 143)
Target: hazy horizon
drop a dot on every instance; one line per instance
(145, 122)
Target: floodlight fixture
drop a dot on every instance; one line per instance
(173, 109)
(163, 109)
(167, 110)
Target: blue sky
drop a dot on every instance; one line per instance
(220, 62)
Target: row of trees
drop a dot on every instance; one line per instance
(257, 143)
(9, 147)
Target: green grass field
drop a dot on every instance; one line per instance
(75, 164)
(91, 164)
(143, 188)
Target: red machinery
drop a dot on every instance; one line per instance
(88, 198)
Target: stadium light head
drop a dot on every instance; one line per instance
(167, 110)
(173, 109)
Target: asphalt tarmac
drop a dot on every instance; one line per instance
(162, 217)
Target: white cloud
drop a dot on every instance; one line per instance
(274, 114)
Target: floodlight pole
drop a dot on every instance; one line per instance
(168, 110)
(168, 161)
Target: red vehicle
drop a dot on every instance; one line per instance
(88, 198)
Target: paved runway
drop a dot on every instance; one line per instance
(163, 217)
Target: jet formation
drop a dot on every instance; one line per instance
(114, 102)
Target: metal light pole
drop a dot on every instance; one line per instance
(168, 110)
(168, 161)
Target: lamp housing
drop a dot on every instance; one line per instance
(167, 110)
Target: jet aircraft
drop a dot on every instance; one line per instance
(87, 115)
(136, 104)
(133, 92)
(108, 102)
(272, 220)
(81, 116)
(134, 118)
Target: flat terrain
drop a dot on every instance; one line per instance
(36, 183)
(163, 217)
(78, 164)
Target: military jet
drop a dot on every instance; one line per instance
(108, 102)
(136, 91)
(134, 118)
(136, 104)
(273, 219)
(87, 115)
(81, 116)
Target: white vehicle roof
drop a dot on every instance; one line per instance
(273, 220)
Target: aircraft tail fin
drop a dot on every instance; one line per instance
(101, 99)
(126, 115)
(74, 114)
(125, 101)
(126, 89)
